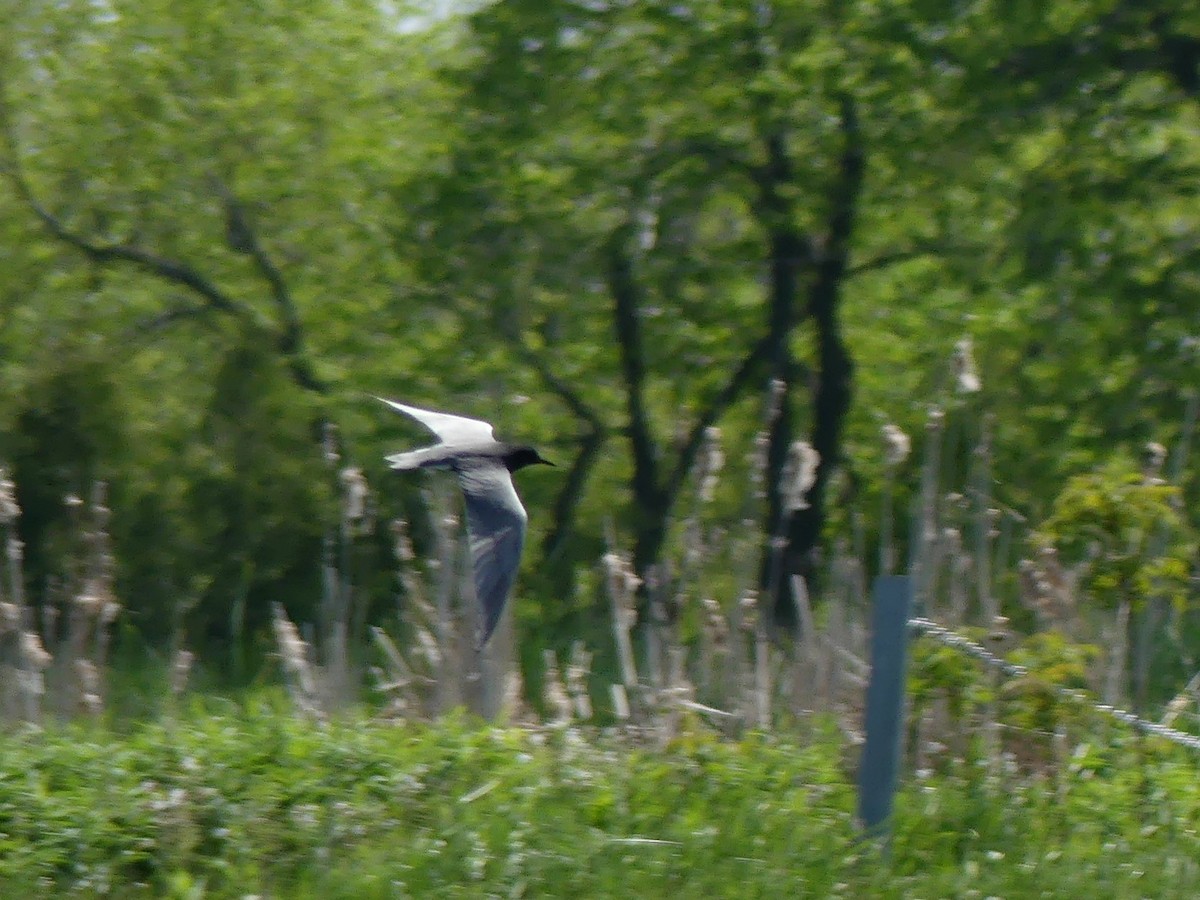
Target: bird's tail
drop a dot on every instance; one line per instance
(407, 461)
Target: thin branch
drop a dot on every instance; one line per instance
(716, 156)
(895, 257)
(746, 373)
(557, 386)
(590, 442)
(290, 338)
(162, 267)
(181, 312)
(570, 493)
(244, 238)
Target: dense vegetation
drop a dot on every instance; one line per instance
(227, 802)
(603, 226)
(785, 288)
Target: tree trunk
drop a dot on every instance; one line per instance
(832, 394)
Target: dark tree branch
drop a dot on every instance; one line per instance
(182, 311)
(747, 372)
(167, 269)
(174, 271)
(590, 441)
(832, 398)
(1114, 40)
(789, 253)
(625, 296)
(557, 386)
(159, 266)
(895, 257)
(242, 237)
(569, 495)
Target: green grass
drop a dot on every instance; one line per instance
(235, 800)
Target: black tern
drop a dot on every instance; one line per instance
(496, 519)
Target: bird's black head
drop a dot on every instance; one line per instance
(519, 456)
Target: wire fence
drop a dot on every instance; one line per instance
(965, 645)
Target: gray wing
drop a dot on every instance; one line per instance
(496, 525)
(451, 429)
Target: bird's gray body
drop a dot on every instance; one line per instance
(496, 520)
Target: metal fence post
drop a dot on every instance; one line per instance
(880, 762)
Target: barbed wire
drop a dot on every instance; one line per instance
(969, 647)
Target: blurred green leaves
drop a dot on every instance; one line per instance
(1127, 531)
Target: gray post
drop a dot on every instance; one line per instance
(885, 702)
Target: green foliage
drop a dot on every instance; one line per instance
(227, 802)
(1127, 529)
(436, 198)
(1051, 661)
(937, 670)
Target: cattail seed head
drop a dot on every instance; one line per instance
(403, 548)
(9, 510)
(1154, 455)
(966, 376)
(896, 445)
(799, 475)
(354, 486)
(33, 653)
(712, 460)
(181, 667)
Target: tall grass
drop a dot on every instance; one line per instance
(253, 800)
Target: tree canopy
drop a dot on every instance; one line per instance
(604, 226)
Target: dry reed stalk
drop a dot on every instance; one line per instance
(396, 679)
(1117, 642)
(655, 633)
(677, 695)
(757, 688)
(447, 676)
(295, 655)
(578, 670)
(181, 669)
(694, 540)
(620, 701)
(23, 658)
(342, 623)
(985, 521)
(621, 582)
(1158, 611)
(926, 531)
(959, 571)
(83, 652)
(558, 704)
(714, 644)
(807, 667)
(425, 657)
(33, 660)
(735, 686)
(896, 448)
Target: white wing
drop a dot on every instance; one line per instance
(451, 429)
(496, 523)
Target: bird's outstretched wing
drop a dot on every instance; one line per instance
(496, 523)
(451, 429)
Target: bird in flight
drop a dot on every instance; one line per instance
(496, 520)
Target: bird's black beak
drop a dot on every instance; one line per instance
(546, 462)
